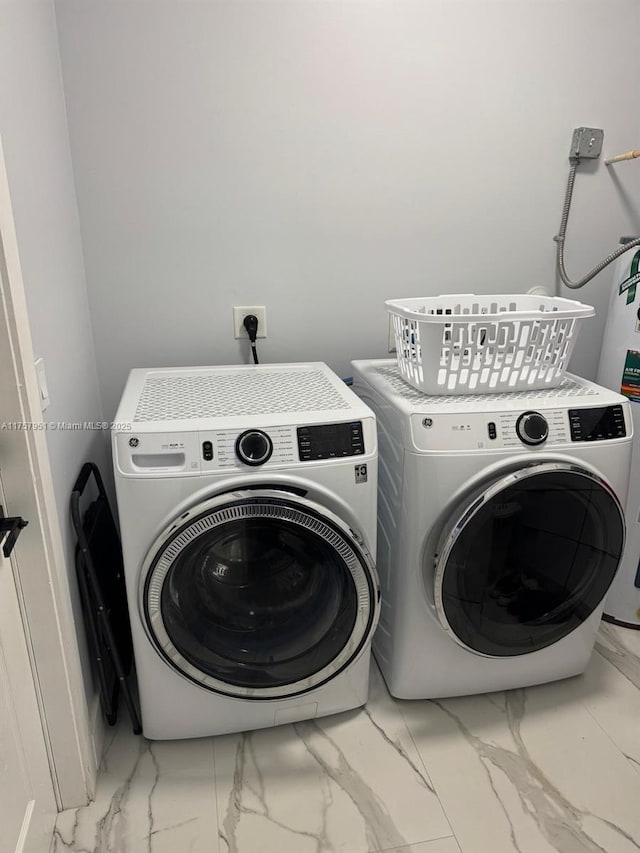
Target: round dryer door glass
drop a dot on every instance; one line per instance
(529, 560)
(260, 596)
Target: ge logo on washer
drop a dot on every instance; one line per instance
(427, 423)
(134, 442)
(361, 473)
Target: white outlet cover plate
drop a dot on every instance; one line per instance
(241, 311)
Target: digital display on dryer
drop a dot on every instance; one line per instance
(597, 424)
(330, 441)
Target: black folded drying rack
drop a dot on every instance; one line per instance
(101, 581)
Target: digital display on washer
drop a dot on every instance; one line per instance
(330, 441)
(597, 424)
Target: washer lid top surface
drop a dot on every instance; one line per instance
(259, 594)
(249, 395)
(525, 562)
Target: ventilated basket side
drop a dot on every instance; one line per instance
(521, 306)
(416, 346)
(465, 353)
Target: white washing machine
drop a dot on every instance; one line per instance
(247, 505)
(500, 530)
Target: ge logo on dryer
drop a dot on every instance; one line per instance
(427, 423)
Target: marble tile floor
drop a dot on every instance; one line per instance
(549, 768)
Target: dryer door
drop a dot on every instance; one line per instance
(528, 560)
(259, 594)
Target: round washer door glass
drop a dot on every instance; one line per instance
(259, 596)
(529, 560)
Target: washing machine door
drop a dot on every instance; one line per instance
(259, 594)
(526, 561)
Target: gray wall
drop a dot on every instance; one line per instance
(320, 157)
(36, 146)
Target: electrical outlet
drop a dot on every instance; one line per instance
(392, 338)
(241, 311)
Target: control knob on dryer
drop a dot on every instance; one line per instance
(532, 428)
(253, 447)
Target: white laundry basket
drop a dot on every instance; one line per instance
(468, 344)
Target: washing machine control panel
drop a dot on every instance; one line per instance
(330, 441)
(288, 445)
(169, 454)
(254, 447)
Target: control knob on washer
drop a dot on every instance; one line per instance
(254, 447)
(532, 428)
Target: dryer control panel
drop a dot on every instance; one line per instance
(597, 424)
(525, 429)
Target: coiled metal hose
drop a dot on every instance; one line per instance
(574, 285)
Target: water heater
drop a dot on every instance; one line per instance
(619, 369)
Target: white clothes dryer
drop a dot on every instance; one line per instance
(247, 505)
(500, 530)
